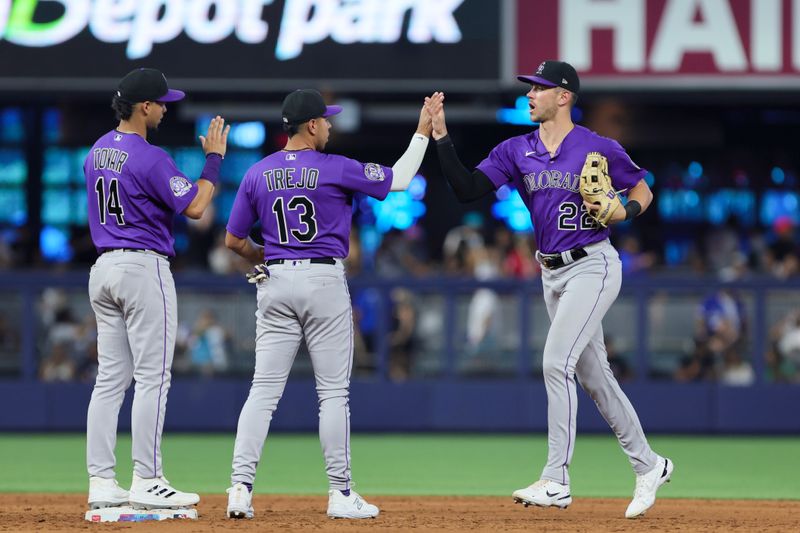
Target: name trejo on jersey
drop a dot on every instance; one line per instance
(551, 179)
(109, 159)
(279, 179)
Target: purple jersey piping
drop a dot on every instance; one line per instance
(566, 373)
(163, 372)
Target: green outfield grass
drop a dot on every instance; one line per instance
(706, 467)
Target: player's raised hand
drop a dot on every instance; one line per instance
(435, 106)
(424, 126)
(216, 140)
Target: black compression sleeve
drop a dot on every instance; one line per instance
(467, 186)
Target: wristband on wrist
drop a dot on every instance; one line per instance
(632, 209)
(211, 169)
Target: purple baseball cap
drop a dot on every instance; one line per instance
(147, 85)
(554, 74)
(304, 104)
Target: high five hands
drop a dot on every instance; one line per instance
(424, 125)
(434, 105)
(216, 140)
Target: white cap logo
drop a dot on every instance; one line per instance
(540, 69)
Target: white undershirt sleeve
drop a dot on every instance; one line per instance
(408, 164)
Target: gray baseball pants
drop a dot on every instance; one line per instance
(133, 297)
(577, 297)
(311, 301)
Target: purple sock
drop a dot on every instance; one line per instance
(345, 492)
(249, 486)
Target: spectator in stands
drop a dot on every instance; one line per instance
(485, 303)
(756, 250)
(401, 335)
(782, 255)
(84, 349)
(401, 254)
(736, 371)
(724, 248)
(58, 366)
(619, 365)
(720, 329)
(86, 370)
(519, 261)
(53, 300)
(222, 261)
(459, 241)
(208, 345)
(783, 355)
(633, 258)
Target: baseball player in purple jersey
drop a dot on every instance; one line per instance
(134, 190)
(581, 273)
(303, 198)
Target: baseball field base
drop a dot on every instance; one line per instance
(129, 514)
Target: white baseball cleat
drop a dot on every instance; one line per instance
(157, 493)
(644, 496)
(544, 493)
(240, 502)
(353, 506)
(106, 492)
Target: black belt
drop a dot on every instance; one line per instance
(139, 250)
(554, 261)
(318, 260)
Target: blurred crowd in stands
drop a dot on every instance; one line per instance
(718, 349)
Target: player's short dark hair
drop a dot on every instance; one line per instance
(292, 129)
(123, 109)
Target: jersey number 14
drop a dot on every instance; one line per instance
(110, 205)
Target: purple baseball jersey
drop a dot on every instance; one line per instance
(134, 190)
(304, 201)
(549, 186)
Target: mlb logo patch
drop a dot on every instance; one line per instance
(117, 137)
(291, 157)
(374, 172)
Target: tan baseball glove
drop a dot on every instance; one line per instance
(596, 188)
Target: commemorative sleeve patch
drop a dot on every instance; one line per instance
(179, 185)
(374, 172)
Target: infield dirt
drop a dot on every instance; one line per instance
(64, 512)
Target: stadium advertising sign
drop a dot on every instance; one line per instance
(204, 41)
(634, 44)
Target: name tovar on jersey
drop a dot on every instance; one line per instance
(134, 190)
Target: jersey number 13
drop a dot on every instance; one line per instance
(307, 220)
